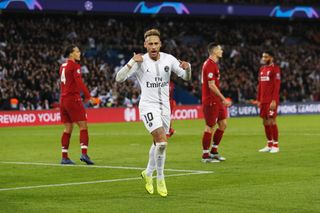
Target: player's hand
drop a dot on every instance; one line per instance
(137, 57)
(258, 103)
(183, 64)
(255, 102)
(90, 100)
(273, 105)
(227, 102)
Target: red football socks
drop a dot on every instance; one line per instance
(65, 140)
(268, 131)
(206, 140)
(216, 140)
(84, 141)
(275, 134)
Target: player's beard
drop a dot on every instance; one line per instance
(154, 54)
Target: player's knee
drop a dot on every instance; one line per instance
(209, 129)
(223, 127)
(162, 147)
(69, 131)
(160, 138)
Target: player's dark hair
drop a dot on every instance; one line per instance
(269, 52)
(69, 50)
(152, 32)
(211, 46)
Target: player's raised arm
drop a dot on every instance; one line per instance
(123, 73)
(182, 69)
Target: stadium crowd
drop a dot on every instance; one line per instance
(31, 48)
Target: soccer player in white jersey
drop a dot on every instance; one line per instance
(153, 71)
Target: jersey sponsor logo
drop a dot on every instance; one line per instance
(265, 78)
(156, 84)
(210, 75)
(166, 68)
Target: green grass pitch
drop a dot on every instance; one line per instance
(247, 182)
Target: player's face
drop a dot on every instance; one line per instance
(76, 54)
(218, 51)
(153, 45)
(266, 58)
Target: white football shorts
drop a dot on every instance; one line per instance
(154, 120)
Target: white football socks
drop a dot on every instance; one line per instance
(160, 157)
(152, 163)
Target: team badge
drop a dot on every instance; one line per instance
(166, 68)
(210, 75)
(78, 71)
(150, 124)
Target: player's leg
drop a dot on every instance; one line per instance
(148, 172)
(65, 138)
(154, 124)
(84, 142)
(210, 116)
(79, 116)
(267, 123)
(159, 136)
(222, 125)
(65, 141)
(264, 114)
(275, 135)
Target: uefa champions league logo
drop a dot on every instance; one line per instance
(31, 4)
(143, 8)
(289, 13)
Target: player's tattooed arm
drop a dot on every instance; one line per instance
(187, 67)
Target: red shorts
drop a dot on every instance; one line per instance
(72, 110)
(213, 113)
(265, 111)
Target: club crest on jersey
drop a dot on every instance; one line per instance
(166, 68)
(78, 71)
(210, 75)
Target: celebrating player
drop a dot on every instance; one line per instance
(153, 71)
(268, 100)
(71, 107)
(214, 105)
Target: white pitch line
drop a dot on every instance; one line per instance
(94, 182)
(96, 166)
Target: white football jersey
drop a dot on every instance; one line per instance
(154, 78)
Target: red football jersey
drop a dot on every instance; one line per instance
(71, 81)
(210, 72)
(269, 83)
